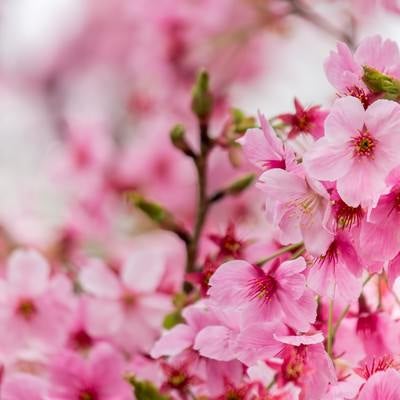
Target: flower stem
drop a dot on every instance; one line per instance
(202, 202)
(278, 253)
(309, 15)
(329, 339)
(346, 310)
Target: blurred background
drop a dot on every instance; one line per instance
(90, 89)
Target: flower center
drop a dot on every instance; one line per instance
(347, 216)
(178, 379)
(294, 364)
(26, 309)
(361, 95)
(364, 145)
(81, 340)
(128, 300)
(262, 288)
(378, 364)
(87, 394)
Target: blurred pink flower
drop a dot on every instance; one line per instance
(127, 309)
(99, 377)
(34, 304)
(22, 386)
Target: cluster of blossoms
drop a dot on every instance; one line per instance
(318, 318)
(293, 298)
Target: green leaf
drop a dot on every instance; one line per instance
(242, 122)
(153, 210)
(145, 390)
(172, 319)
(241, 184)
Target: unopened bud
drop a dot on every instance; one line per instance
(178, 139)
(378, 82)
(202, 99)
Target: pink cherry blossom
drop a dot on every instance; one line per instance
(177, 343)
(358, 150)
(127, 309)
(264, 295)
(306, 363)
(297, 206)
(36, 305)
(263, 148)
(23, 387)
(382, 385)
(338, 271)
(345, 71)
(305, 120)
(98, 377)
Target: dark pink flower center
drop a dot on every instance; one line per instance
(26, 309)
(347, 216)
(378, 364)
(294, 364)
(262, 288)
(81, 340)
(87, 394)
(331, 256)
(397, 202)
(128, 300)
(360, 94)
(363, 145)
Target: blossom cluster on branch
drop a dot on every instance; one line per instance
(250, 257)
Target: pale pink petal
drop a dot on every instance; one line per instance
(217, 343)
(316, 237)
(274, 143)
(107, 368)
(28, 272)
(281, 185)
(299, 313)
(23, 387)
(300, 339)
(383, 385)
(97, 279)
(291, 267)
(379, 242)
(345, 120)
(382, 55)
(341, 69)
(174, 341)
(382, 118)
(154, 307)
(256, 341)
(348, 286)
(103, 317)
(199, 317)
(143, 270)
(362, 186)
(229, 284)
(328, 162)
(321, 279)
(256, 148)
(393, 270)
